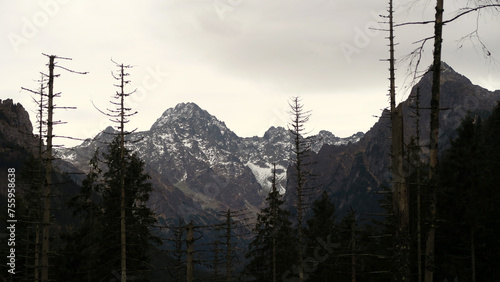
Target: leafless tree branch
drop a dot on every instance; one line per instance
(464, 12)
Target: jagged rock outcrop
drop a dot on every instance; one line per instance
(16, 129)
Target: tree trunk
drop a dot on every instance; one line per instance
(123, 235)
(299, 207)
(400, 199)
(48, 177)
(39, 176)
(419, 209)
(400, 191)
(434, 138)
(274, 213)
(299, 117)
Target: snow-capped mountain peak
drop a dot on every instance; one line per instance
(187, 113)
(198, 154)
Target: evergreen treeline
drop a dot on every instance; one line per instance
(345, 249)
(91, 251)
(468, 199)
(273, 249)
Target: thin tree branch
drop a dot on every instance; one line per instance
(466, 11)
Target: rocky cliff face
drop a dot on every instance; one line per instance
(196, 152)
(15, 143)
(16, 139)
(15, 126)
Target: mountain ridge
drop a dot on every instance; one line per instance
(200, 166)
(201, 157)
(352, 174)
(197, 155)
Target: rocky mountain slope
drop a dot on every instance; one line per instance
(195, 156)
(352, 173)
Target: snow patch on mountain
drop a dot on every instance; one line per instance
(263, 174)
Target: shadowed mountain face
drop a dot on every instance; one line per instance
(17, 146)
(16, 141)
(351, 173)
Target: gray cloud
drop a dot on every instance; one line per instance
(248, 53)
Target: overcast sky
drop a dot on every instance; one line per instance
(241, 60)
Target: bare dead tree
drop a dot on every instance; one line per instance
(39, 172)
(434, 139)
(301, 148)
(233, 225)
(439, 22)
(120, 115)
(299, 117)
(235, 222)
(33, 192)
(41, 265)
(415, 56)
(49, 157)
(399, 187)
(419, 186)
(274, 212)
